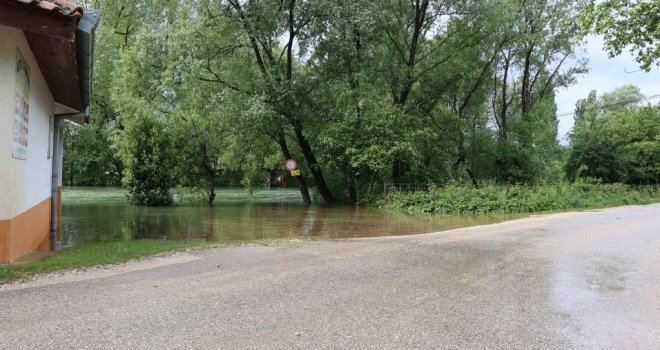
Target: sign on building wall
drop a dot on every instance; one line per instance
(21, 107)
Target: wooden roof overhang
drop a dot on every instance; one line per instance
(52, 38)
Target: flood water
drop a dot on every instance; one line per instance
(92, 215)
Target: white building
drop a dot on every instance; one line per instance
(46, 50)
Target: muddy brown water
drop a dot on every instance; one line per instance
(91, 215)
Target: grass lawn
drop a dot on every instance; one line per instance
(98, 254)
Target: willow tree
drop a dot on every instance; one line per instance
(538, 57)
(631, 25)
(250, 51)
(360, 92)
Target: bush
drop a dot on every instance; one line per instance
(518, 199)
(622, 146)
(147, 152)
(515, 164)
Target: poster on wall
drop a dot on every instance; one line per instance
(21, 107)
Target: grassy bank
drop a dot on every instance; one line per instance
(515, 199)
(97, 254)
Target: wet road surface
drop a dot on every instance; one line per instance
(562, 281)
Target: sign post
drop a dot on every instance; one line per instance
(290, 164)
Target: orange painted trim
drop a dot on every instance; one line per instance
(26, 232)
(5, 230)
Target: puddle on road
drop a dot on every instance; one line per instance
(103, 214)
(606, 275)
(606, 307)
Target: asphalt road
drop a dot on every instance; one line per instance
(572, 280)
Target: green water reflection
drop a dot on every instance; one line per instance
(103, 214)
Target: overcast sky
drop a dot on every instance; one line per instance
(604, 75)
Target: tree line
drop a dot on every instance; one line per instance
(208, 93)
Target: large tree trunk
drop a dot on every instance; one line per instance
(396, 171)
(302, 184)
(211, 189)
(351, 188)
(462, 160)
(314, 166)
(210, 172)
(526, 93)
(503, 132)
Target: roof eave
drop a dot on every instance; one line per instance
(62, 43)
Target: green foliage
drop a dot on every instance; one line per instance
(516, 199)
(89, 159)
(359, 92)
(595, 155)
(632, 24)
(620, 143)
(149, 158)
(515, 164)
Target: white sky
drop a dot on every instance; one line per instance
(604, 75)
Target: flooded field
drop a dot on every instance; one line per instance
(103, 214)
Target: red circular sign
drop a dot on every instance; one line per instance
(290, 164)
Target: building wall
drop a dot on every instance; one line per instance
(7, 40)
(25, 185)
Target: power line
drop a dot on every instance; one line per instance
(622, 103)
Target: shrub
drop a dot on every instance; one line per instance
(519, 199)
(147, 153)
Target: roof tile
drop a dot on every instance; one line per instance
(63, 7)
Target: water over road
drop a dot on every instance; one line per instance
(102, 214)
(572, 280)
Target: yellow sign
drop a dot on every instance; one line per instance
(295, 172)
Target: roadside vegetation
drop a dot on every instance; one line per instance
(100, 254)
(613, 159)
(456, 200)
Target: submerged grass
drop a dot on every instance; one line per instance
(98, 254)
(456, 200)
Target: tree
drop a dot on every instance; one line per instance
(360, 92)
(586, 109)
(594, 155)
(625, 98)
(145, 143)
(637, 132)
(626, 23)
(529, 64)
(615, 140)
(90, 158)
(254, 31)
(147, 151)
